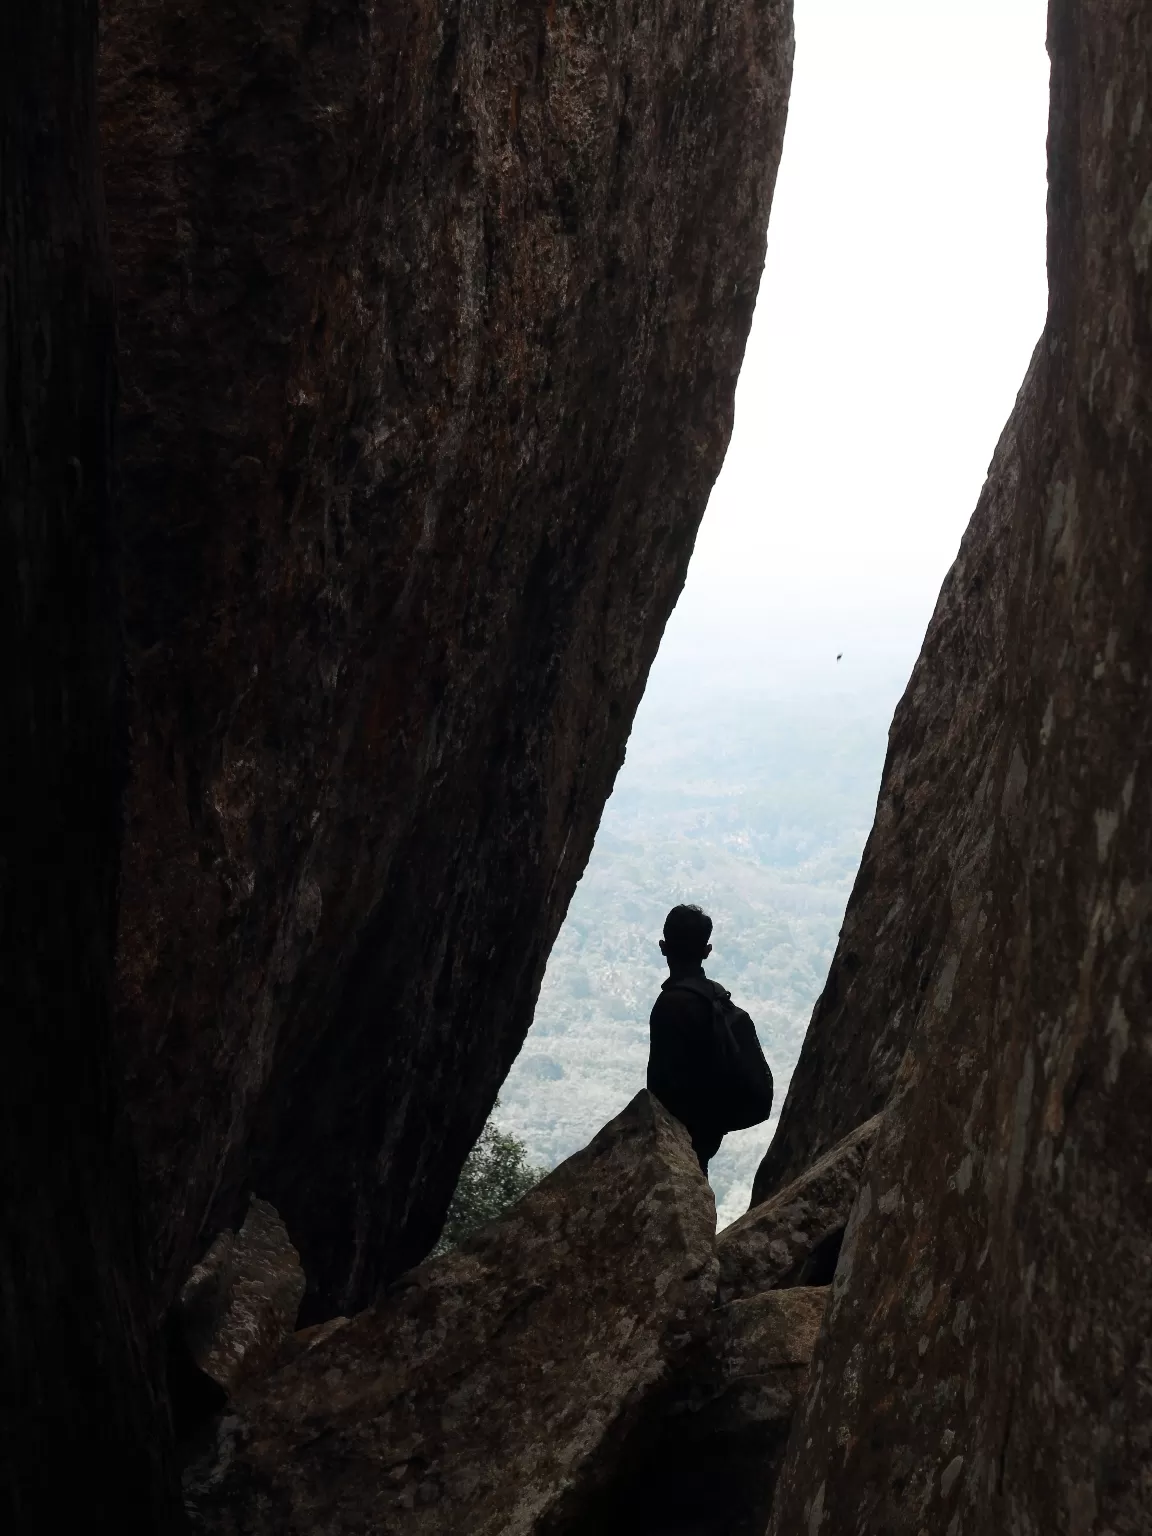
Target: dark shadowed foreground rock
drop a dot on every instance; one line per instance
(708, 1463)
(493, 1389)
(986, 1364)
(794, 1238)
(81, 1442)
(239, 1305)
(430, 318)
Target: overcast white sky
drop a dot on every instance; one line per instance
(904, 291)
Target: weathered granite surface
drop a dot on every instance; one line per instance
(238, 1307)
(491, 1389)
(781, 1241)
(986, 1362)
(430, 322)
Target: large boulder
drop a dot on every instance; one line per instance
(493, 1389)
(985, 1364)
(794, 1237)
(430, 323)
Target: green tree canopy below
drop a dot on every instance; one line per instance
(495, 1175)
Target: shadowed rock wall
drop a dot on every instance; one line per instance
(81, 1442)
(985, 1364)
(431, 317)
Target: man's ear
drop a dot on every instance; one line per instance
(663, 951)
(708, 951)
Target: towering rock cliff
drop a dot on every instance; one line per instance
(429, 323)
(985, 1363)
(430, 319)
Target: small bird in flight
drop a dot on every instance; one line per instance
(839, 654)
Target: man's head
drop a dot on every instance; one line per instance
(687, 931)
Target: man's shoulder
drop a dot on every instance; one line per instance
(700, 985)
(685, 994)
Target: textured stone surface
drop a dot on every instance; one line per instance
(780, 1242)
(431, 317)
(755, 1344)
(490, 1389)
(304, 1339)
(986, 1364)
(239, 1305)
(707, 1465)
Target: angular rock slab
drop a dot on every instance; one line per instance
(239, 1305)
(985, 1368)
(782, 1241)
(490, 1388)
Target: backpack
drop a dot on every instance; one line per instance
(743, 1077)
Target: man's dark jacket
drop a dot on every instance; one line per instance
(682, 1067)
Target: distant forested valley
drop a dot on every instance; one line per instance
(755, 807)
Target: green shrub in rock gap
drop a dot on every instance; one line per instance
(495, 1175)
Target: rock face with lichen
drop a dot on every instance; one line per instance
(985, 1363)
(430, 322)
(492, 1389)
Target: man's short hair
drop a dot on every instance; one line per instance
(687, 932)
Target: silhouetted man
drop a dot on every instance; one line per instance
(705, 1062)
(682, 1067)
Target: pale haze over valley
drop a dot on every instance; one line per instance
(903, 294)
